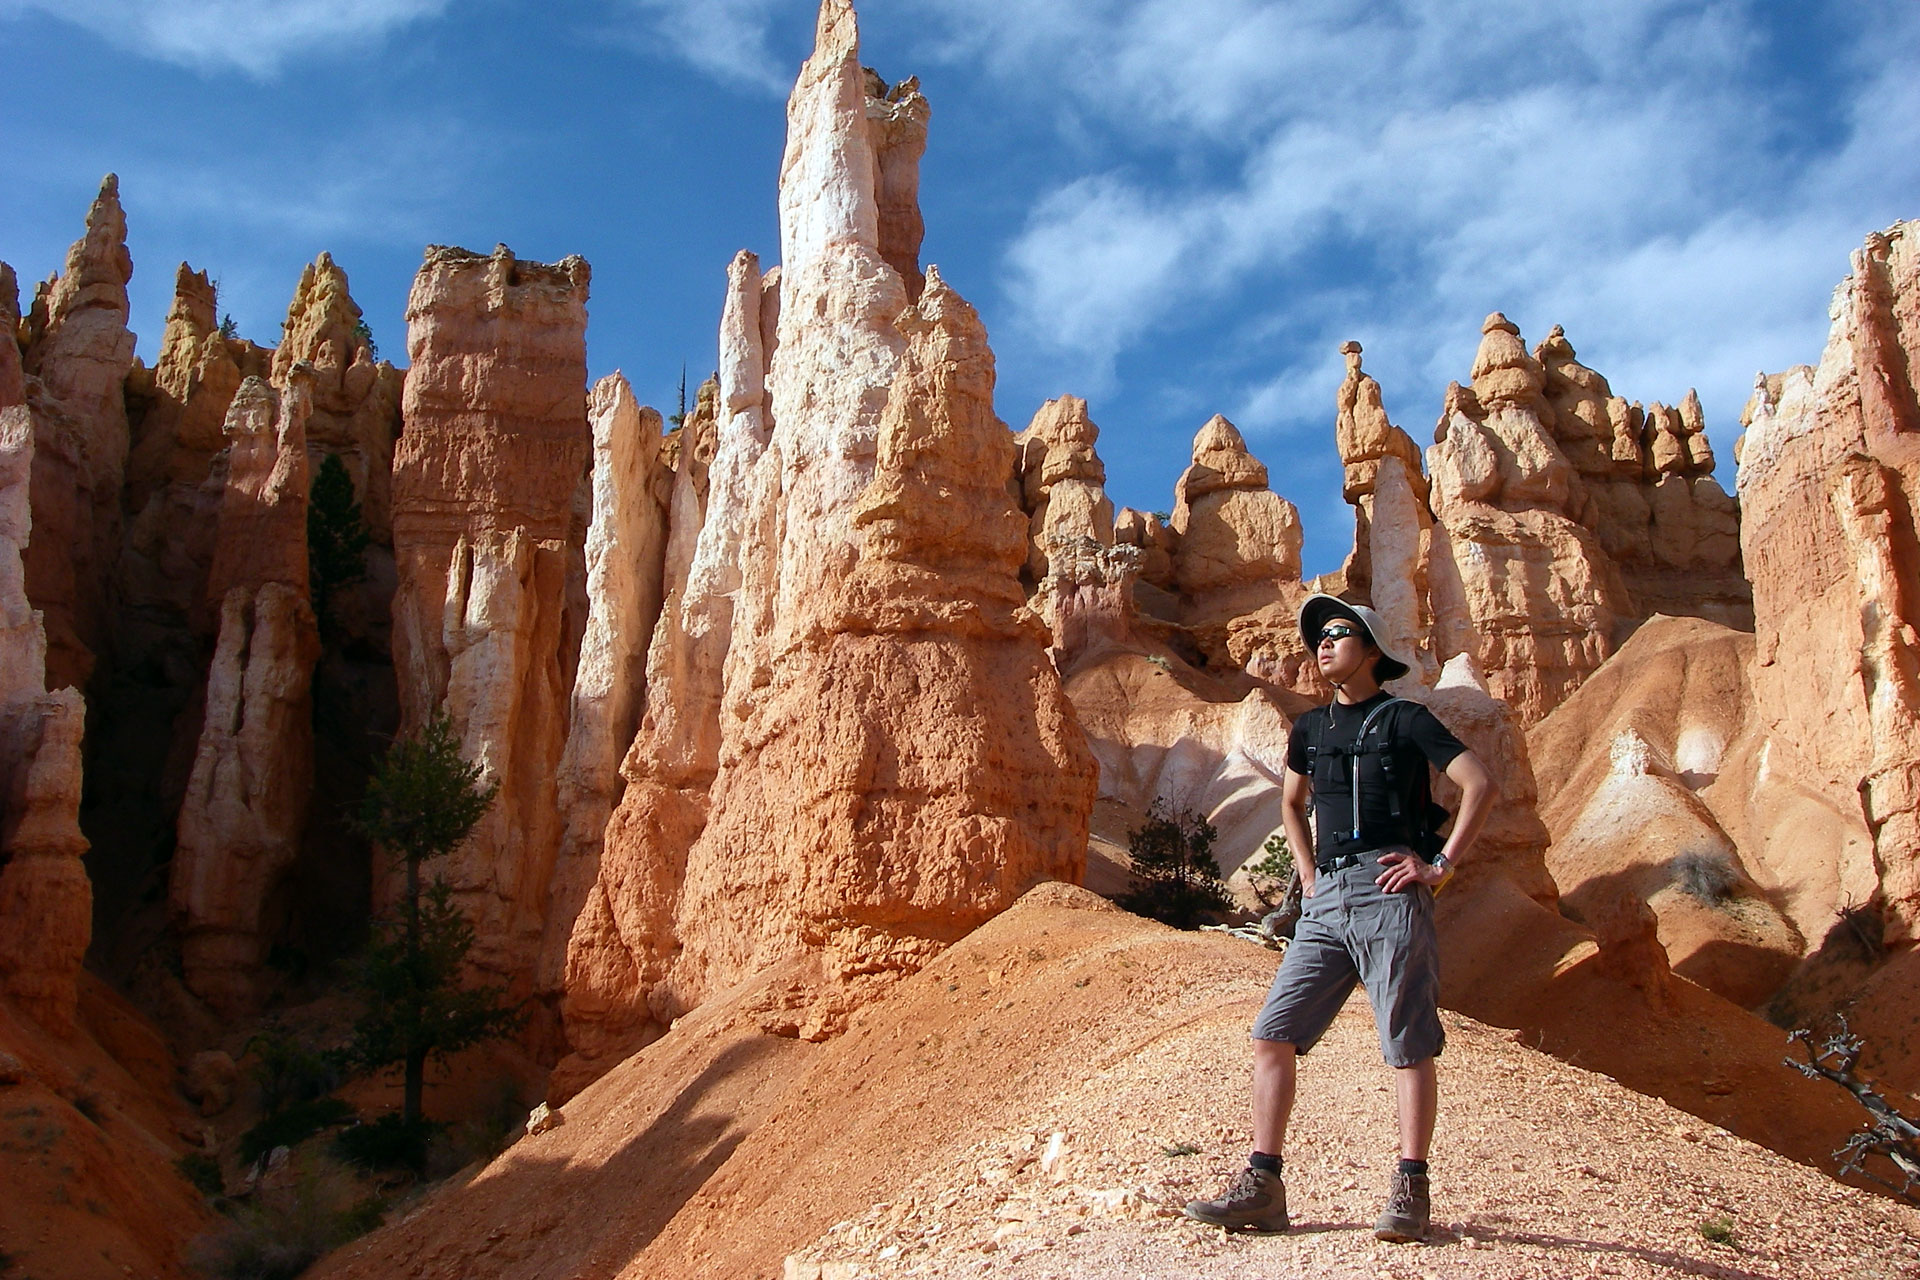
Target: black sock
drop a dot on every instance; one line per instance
(1261, 1160)
(1412, 1166)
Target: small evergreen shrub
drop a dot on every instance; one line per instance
(202, 1171)
(1175, 877)
(293, 1125)
(391, 1142)
(278, 1234)
(1705, 874)
(287, 1070)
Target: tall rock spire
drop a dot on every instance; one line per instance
(856, 575)
(485, 475)
(78, 353)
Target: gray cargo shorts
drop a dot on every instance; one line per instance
(1351, 930)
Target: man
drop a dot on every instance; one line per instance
(1367, 913)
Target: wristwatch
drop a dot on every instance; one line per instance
(1440, 861)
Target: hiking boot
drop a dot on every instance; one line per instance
(1254, 1202)
(1405, 1218)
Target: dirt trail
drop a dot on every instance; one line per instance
(918, 1144)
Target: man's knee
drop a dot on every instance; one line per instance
(1273, 1050)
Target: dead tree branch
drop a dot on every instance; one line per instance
(1889, 1135)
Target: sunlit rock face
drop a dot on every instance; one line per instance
(1061, 480)
(1829, 467)
(1517, 581)
(1392, 525)
(246, 801)
(1568, 517)
(495, 447)
(625, 561)
(356, 418)
(1645, 485)
(886, 758)
(77, 355)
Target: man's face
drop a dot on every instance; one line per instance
(1344, 651)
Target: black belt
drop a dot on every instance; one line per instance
(1339, 862)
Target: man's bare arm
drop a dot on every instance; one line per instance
(1477, 794)
(1295, 791)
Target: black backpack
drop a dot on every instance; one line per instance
(1410, 807)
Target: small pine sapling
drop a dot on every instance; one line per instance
(337, 537)
(422, 803)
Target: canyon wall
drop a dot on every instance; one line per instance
(46, 900)
(1829, 467)
(245, 807)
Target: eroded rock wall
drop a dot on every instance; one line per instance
(495, 445)
(1829, 467)
(46, 900)
(246, 801)
(1392, 540)
(1517, 580)
(356, 418)
(625, 559)
(1061, 480)
(176, 474)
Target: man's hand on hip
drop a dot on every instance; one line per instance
(1403, 869)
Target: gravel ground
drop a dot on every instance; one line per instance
(1540, 1169)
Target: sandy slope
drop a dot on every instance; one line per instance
(916, 1144)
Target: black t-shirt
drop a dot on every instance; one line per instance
(1410, 734)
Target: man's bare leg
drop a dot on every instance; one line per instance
(1418, 1091)
(1273, 1077)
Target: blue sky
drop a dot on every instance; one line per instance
(1171, 207)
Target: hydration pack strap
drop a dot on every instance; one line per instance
(1353, 754)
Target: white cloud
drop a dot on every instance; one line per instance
(1619, 170)
(254, 36)
(727, 39)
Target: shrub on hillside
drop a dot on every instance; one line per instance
(278, 1234)
(1706, 874)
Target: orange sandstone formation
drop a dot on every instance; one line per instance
(894, 761)
(1061, 480)
(1650, 494)
(172, 496)
(78, 353)
(246, 801)
(1236, 554)
(1828, 469)
(13, 387)
(495, 445)
(624, 562)
(622, 940)
(1518, 581)
(897, 118)
(1392, 528)
(355, 417)
(46, 900)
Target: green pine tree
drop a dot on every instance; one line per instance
(1175, 878)
(421, 803)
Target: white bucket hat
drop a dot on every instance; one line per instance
(1321, 609)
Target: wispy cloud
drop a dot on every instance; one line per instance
(257, 37)
(727, 39)
(1628, 173)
